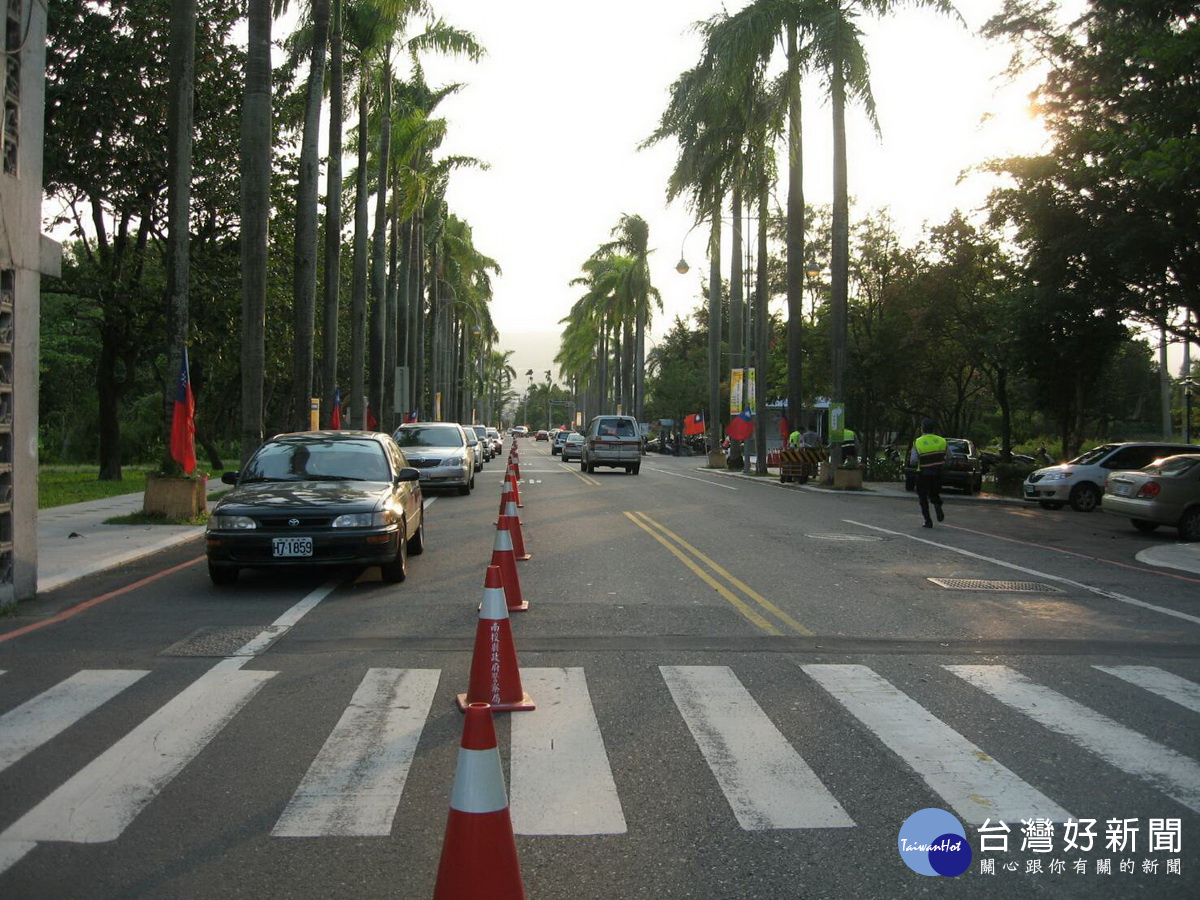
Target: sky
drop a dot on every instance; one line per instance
(567, 91)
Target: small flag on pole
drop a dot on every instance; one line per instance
(335, 418)
(411, 417)
(694, 424)
(183, 420)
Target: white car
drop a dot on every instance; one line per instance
(441, 451)
(1080, 482)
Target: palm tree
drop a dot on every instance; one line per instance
(839, 53)
(255, 216)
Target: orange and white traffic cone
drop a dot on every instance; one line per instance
(514, 462)
(504, 557)
(506, 495)
(479, 852)
(510, 476)
(512, 521)
(495, 675)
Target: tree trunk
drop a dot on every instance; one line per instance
(713, 416)
(358, 285)
(255, 209)
(333, 220)
(304, 276)
(419, 399)
(840, 255)
(379, 322)
(179, 193)
(761, 292)
(795, 239)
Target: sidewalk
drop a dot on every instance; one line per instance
(74, 542)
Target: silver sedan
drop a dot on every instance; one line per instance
(1165, 493)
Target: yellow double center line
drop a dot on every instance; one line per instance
(691, 557)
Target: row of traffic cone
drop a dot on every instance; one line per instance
(479, 851)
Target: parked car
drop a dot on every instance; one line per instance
(319, 498)
(497, 442)
(542, 435)
(1080, 482)
(560, 438)
(963, 468)
(441, 453)
(572, 447)
(1167, 492)
(613, 441)
(485, 446)
(518, 431)
(990, 458)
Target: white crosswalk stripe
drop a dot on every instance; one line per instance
(353, 787)
(975, 786)
(1174, 774)
(562, 782)
(767, 783)
(53, 711)
(561, 779)
(1151, 678)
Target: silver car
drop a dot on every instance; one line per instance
(442, 452)
(1165, 493)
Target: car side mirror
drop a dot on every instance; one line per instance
(230, 477)
(408, 473)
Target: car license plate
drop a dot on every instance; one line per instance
(292, 546)
(1123, 490)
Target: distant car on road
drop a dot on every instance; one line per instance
(572, 447)
(560, 438)
(1080, 482)
(496, 442)
(1166, 492)
(613, 441)
(319, 498)
(543, 435)
(441, 452)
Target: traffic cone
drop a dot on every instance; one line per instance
(506, 495)
(512, 521)
(479, 852)
(495, 676)
(504, 557)
(514, 462)
(516, 491)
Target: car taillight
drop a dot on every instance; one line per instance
(1149, 490)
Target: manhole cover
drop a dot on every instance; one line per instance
(216, 641)
(1005, 587)
(843, 537)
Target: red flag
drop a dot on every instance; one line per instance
(335, 419)
(694, 424)
(784, 431)
(741, 426)
(183, 420)
(372, 422)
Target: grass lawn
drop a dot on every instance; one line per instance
(60, 485)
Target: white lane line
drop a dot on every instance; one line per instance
(1100, 592)
(562, 782)
(1174, 774)
(975, 786)
(53, 711)
(12, 852)
(767, 783)
(104, 797)
(285, 623)
(1157, 681)
(354, 785)
(708, 481)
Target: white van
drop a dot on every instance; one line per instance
(614, 441)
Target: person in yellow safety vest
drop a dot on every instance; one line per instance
(849, 446)
(929, 456)
(794, 440)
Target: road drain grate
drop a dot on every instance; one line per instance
(1004, 587)
(215, 641)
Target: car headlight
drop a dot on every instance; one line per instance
(365, 520)
(231, 523)
(456, 462)
(1058, 476)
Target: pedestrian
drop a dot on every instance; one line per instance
(849, 447)
(929, 456)
(794, 440)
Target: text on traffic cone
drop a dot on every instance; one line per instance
(495, 674)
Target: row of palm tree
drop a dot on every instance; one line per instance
(728, 113)
(417, 247)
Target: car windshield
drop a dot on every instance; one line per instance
(1174, 466)
(575, 438)
(959, 447)
(429, 436)
(1093, 456)
(318, 460)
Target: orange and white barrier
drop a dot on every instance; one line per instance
(495, 674)
(504, 557)
(510, 519)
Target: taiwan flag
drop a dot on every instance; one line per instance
(411, 417)
(372, 422)
(183, 420)
(694, 424)
(741, 426)
(335, 418)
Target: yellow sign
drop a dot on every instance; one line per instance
(735, 390)
(314, 414)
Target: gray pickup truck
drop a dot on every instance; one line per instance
(614, 441)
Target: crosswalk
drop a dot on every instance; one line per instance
(562, 782)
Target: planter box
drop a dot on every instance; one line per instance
(848, 479)
(716, 459)
(175, 498)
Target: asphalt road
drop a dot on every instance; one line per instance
(743, 689)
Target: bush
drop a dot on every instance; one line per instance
(881, 468)
(1010, 477)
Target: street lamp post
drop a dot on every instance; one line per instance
(528, 391)
(1188, 387)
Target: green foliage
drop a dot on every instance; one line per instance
(1010, 476)
(60, 485)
